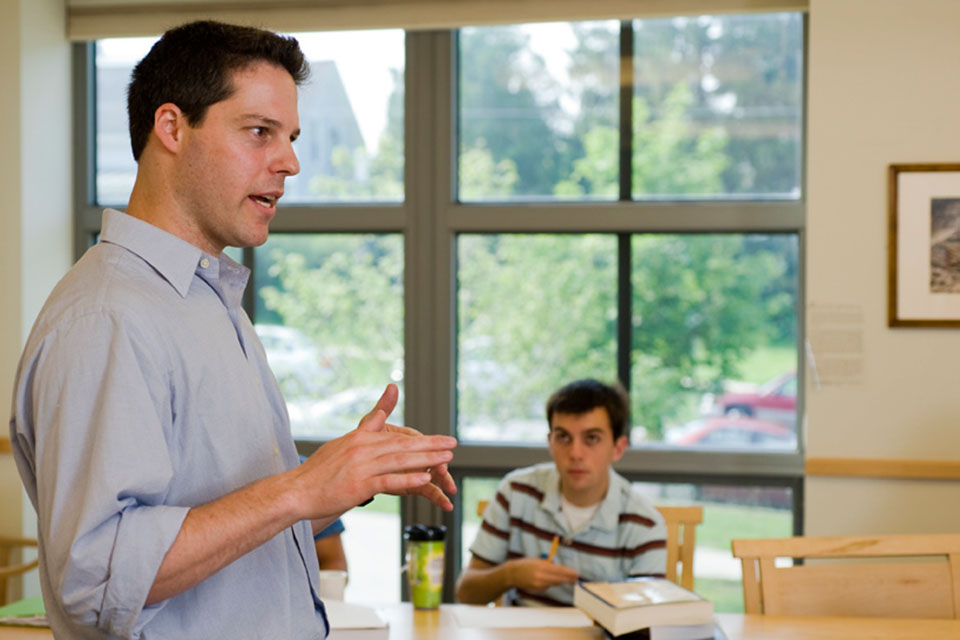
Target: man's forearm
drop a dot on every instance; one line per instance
(217, 533)
(480, 586)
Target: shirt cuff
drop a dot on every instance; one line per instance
(144, 536)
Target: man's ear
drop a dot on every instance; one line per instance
(619, 447)
(169, 123)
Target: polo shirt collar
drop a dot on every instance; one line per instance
(607, 517)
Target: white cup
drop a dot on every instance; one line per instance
(332, 584)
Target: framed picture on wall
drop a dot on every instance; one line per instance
(923, 279)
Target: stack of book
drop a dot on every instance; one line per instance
(646, 608)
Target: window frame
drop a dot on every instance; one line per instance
(430, 219)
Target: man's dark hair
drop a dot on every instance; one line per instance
(582, 396)
(191, 66)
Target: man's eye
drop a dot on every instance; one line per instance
(259, 131)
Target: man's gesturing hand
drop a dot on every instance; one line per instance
(441, 482)
(374, 458)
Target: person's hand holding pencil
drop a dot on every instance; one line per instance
(539, 574)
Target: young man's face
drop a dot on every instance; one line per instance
(234, 163)
(583, 448)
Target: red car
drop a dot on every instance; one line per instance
(734, 432)
(775, 401)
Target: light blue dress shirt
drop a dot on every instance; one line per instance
(144, 391)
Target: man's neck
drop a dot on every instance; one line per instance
(585, 498)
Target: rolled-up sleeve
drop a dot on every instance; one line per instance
(99, 397)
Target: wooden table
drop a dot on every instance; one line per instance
(407, 624)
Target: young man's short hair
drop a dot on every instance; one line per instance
(582, 396)
(191, 66)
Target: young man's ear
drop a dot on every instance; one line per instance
(168, 125)
(619, 447)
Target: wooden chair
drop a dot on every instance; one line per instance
(883, 587)
(7, 570)
(681, 539)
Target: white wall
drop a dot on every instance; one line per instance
(35, 180)
(884, 88)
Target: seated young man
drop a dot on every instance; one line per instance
(606, 529)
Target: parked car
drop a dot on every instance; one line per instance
(775, 401)
(738, 432)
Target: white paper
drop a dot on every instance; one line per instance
(347, 615)
(520, 617)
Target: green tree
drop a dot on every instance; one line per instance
(345, 292)
(700, 305)
(534, 312)
(507, 100)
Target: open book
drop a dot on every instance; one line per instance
(640, 603)
(29, 612)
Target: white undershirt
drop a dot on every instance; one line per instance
(578, 517)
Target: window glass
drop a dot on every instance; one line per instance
(351, 118)
(717, 106)
(116, 169)
(534, 312)
(329, 311)
(371, 542)
(538, 112)
(714, 340)
(729, 512)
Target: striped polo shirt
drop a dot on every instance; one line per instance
(626, 537)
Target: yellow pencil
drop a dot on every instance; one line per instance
(553, 548)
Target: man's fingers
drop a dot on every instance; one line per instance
(386, 404)
(395, 428)
(388, 399)
(391, 443)
(443, 479)
(411, 460)
(373, 421)
(400, 482)
(433, 493)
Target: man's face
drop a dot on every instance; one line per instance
(583, 448)
(233, 165)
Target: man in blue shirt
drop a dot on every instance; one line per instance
(151, 437)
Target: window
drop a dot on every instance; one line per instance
(485, 214)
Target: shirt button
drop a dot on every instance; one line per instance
(204, 263)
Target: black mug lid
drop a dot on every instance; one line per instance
(424, 533)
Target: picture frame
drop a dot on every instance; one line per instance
(923, 266)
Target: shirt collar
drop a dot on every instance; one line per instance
(607, 517)
(175, 259)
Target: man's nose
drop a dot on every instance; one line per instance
(286, 161)
(576, 448)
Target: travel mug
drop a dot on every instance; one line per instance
(425, 564)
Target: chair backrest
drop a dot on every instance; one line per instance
(8, 570)
(681, 539)
(877, 580)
